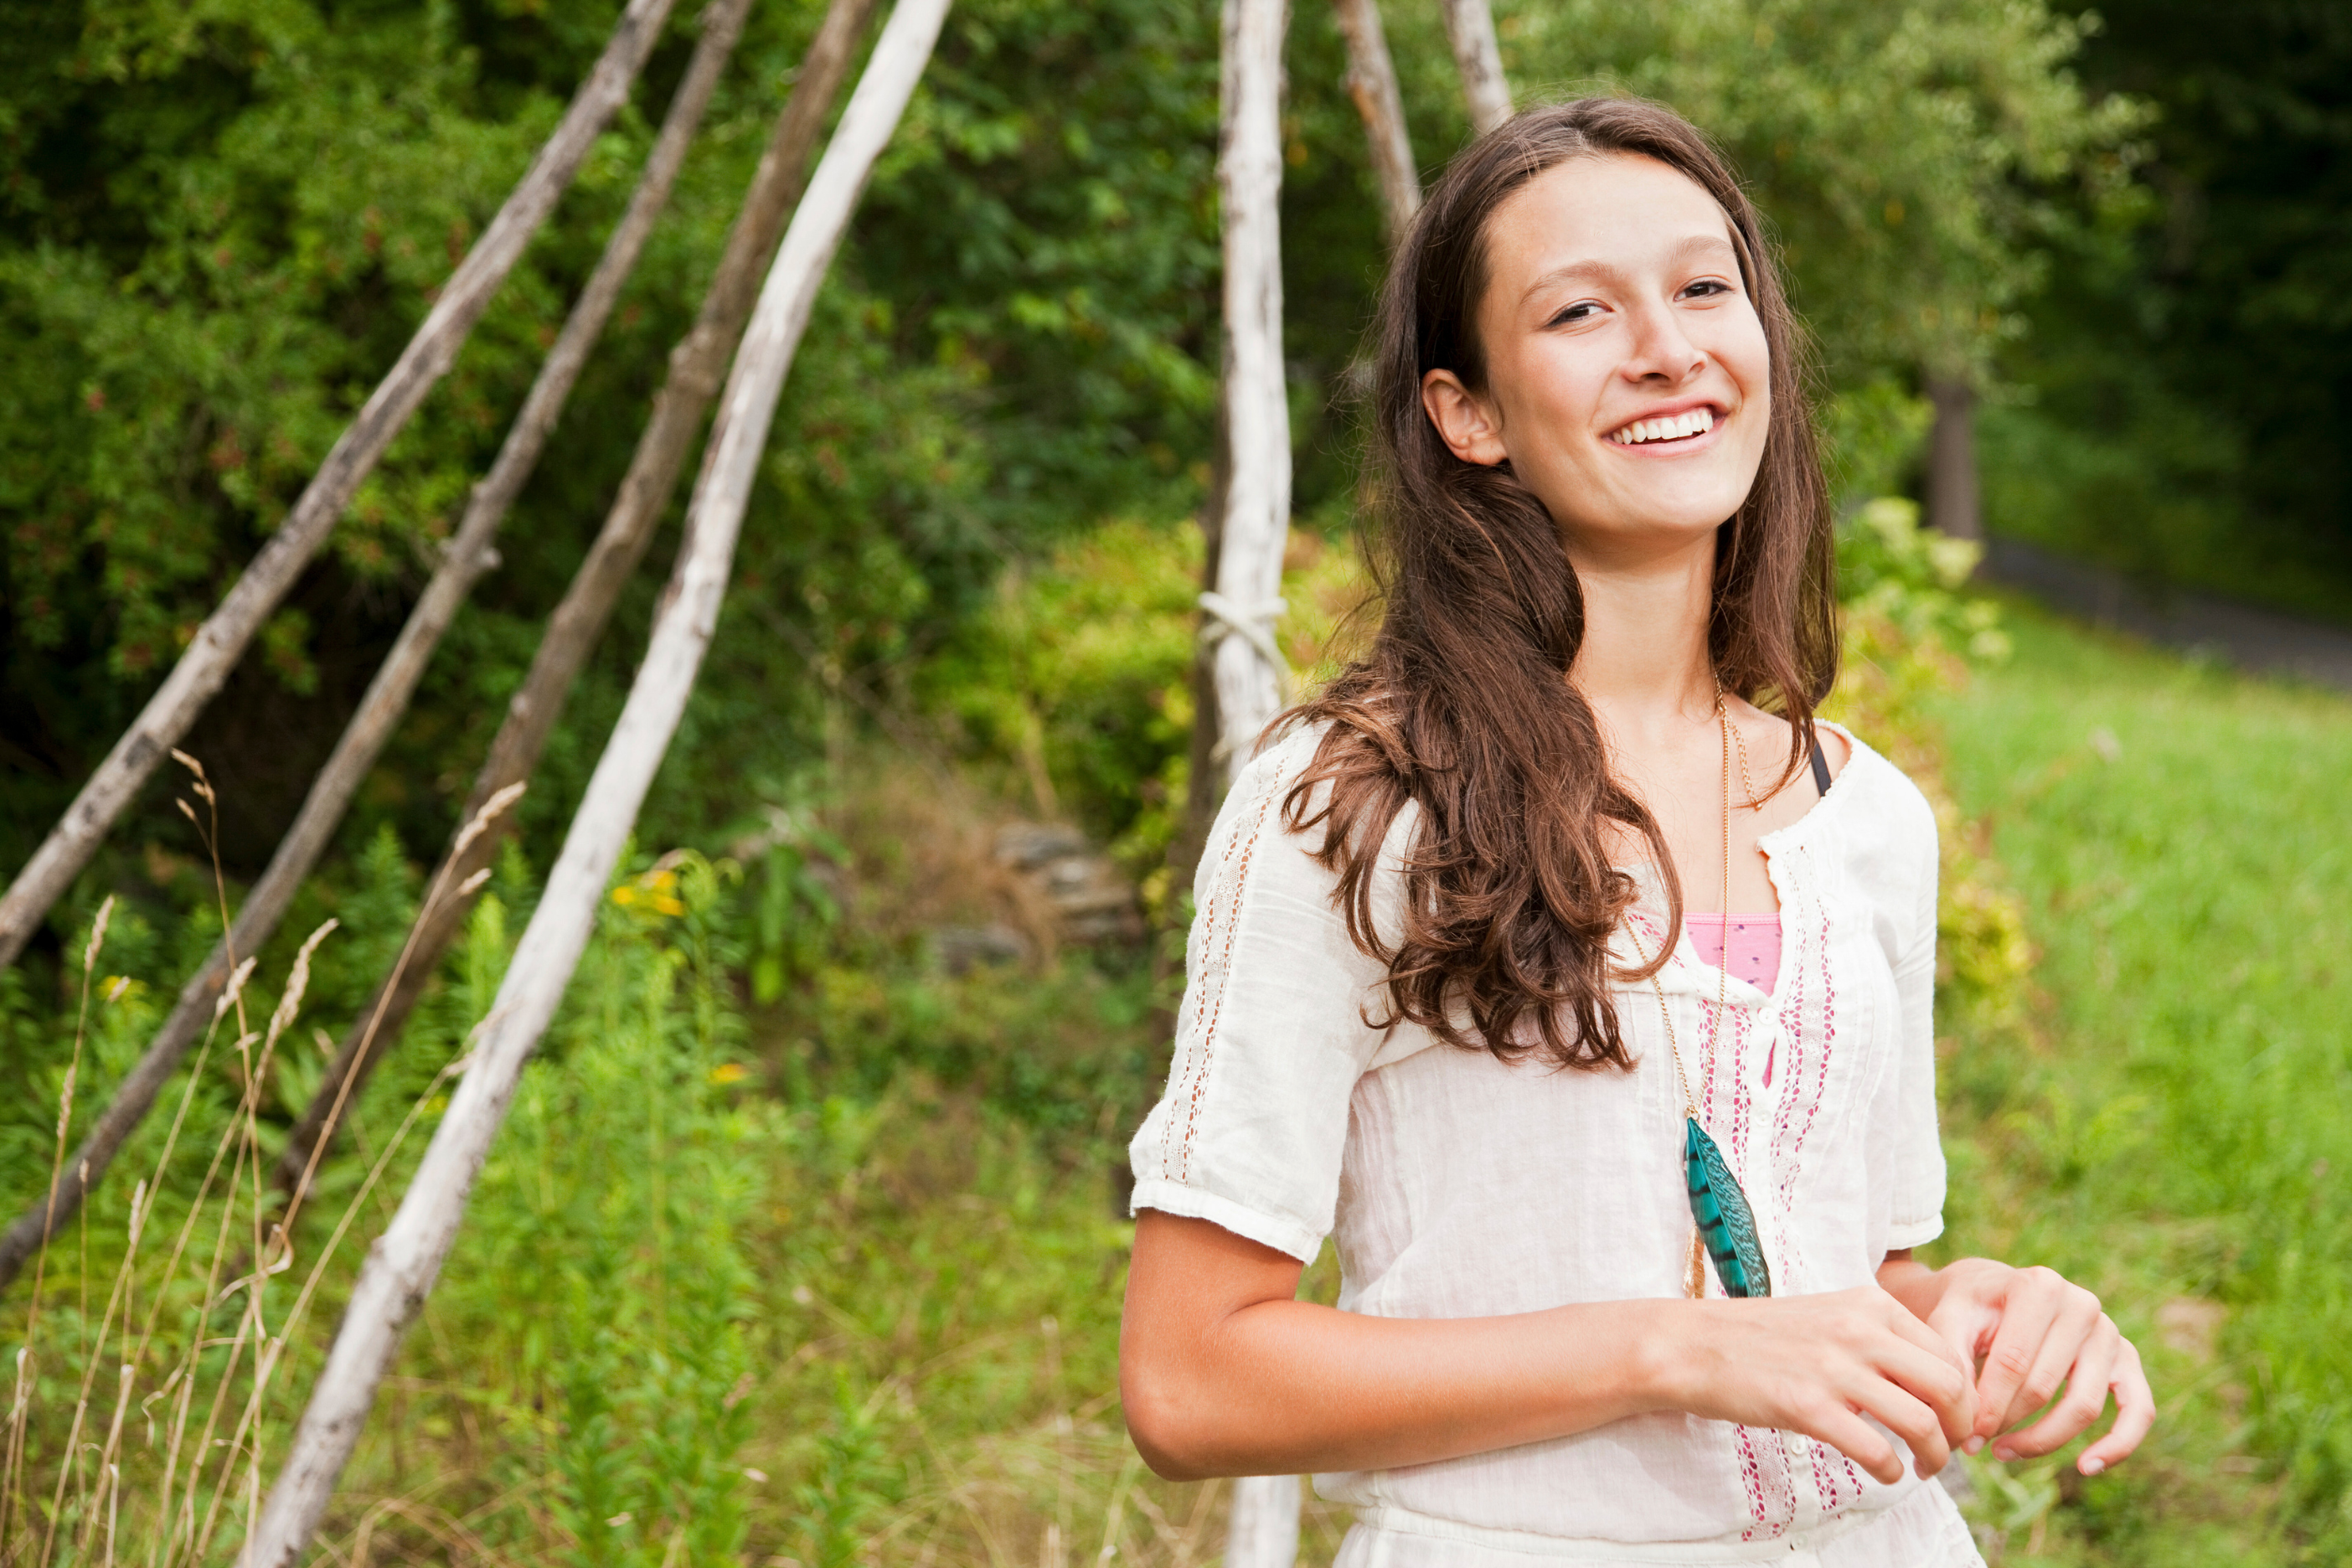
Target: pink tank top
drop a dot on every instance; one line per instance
(1746, 947)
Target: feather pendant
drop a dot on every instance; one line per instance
(1725, 1224)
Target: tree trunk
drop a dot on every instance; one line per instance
(1952, 506)
(464, 559)
(1252, 684)
(1372, 83)
(695, 365)
(405, 1261)
(222, 639)
(1470, 28)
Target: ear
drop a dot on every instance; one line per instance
(1465, 422)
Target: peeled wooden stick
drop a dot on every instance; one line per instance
(222, 639)
(463, 561)
(403, 1264)
(695, 367)
(1252, 685)
(1262, 1522)
(1470, 27)
(1372, 83)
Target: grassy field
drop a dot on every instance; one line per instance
(2162, 1119)
(836, 1280)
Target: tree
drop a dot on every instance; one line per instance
(2191, 360)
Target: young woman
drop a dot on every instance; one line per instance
(1558, 924)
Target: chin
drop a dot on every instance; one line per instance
(1684, 514)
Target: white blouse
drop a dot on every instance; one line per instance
(1458, 1185)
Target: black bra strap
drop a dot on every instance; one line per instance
(1820, 771)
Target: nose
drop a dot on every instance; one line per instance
(1660, 348)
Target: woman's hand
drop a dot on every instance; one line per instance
(2032, 1331)
(1818, 1364)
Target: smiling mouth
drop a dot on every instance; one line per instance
(1678, 427)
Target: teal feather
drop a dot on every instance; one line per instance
(1727, 1226)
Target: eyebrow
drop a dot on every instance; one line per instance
(1607, 273)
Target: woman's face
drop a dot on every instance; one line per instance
(1627, 378)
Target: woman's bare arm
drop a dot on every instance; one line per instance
(1223, 1372)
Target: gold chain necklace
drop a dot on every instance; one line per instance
(1723, 1225)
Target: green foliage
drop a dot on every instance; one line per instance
(1078, 672)
(2187, 368)
(795, 912)
(1891, 146)
(2163, 1121)
(1067, 1050)
(203, 265)
(221, 227)
(1890, 569)
(614, 1201)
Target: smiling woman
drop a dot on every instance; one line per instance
(1444, 1009)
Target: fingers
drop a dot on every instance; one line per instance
(1911, 1418)
(2135, 1414)
(1967, 1322)
(2031, 1305)
(2078, 1322)
(1933, 1369)
(1965, 1327)
(1857, 1439)
(2087, 1380)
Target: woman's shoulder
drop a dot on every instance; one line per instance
(1283, 755)
(1257, 806)
(1263, 808)
(1887, 826)
(1881, 781)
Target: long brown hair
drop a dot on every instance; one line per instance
(1462, 705)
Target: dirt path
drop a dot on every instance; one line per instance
(2252, 639)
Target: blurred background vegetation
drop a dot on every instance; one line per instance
(802, 1243)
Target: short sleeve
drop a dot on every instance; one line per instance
(1271, 1038)
(1908, 1108)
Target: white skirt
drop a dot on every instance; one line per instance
(1924, 1530)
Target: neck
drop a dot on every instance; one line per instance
(1642, 663)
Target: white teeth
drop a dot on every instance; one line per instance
(1697, 422)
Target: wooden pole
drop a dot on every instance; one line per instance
(695, 367)
(1470, 28)
(464, 559)
(1262, 1524)
(222, 637)
(1252, 685)
(1372, 83)
(403, 1264)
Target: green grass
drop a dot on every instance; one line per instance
(836, 1280)
(2170, 1119)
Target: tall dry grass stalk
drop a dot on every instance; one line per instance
(172, 1486)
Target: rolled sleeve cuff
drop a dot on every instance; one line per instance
(1904, 1235)
(1191, 1203)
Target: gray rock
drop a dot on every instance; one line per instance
(960, 949)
